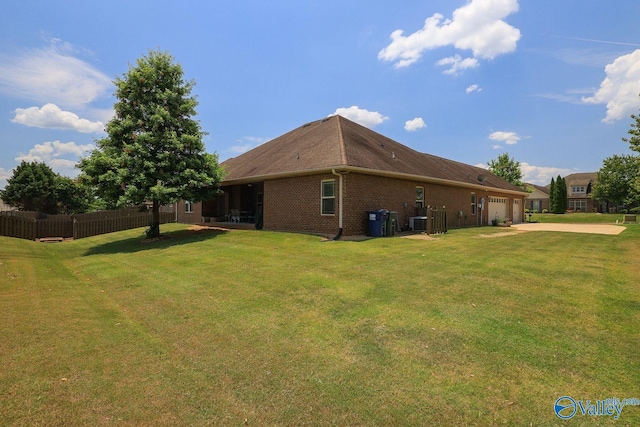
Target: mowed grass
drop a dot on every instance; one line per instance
(476, 327)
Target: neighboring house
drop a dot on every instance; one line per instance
(538, 199)
(324, 176)
(4, 207)
(579, 187)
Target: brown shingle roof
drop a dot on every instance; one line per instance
(339, 143)
(584, 178)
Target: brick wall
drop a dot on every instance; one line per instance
(194, 217)
(369, 192)
(293, 204)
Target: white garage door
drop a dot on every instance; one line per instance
(517, 211)
(497, 208)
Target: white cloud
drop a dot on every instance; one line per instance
(620, 89)
(359, 115)
(52, 74)
(474, 88)
(247, 143)
(50, 116)
(415, 124)
(541, 175)
(496, 147)
(4, 176)
(509, 138)
(478, 26)
(457, 64)
(60, 156)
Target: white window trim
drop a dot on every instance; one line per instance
(420, 203)
(188, 207)
(323, 197)
(474, 203)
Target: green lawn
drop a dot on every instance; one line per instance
(480, 326)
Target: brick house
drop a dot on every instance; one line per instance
(579, 187)
(325, 175)
(538, 199)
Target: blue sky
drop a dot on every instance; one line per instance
(552, 83)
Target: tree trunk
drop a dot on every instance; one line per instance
(154, 231)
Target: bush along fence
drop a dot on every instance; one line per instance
(35, 225)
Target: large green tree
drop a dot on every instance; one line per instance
(553, 200)
(558, 195)
(617, 180)
(32, 187)
(72, 197)
(507, 168)
(561, 195)
(153, 150)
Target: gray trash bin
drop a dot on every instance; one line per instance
(392, 222)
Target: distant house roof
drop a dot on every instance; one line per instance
(5, 207)
(539, 192)
(585, 179)
(338, 143)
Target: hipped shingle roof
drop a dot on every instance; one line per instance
(338, 143)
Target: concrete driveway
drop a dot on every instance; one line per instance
(571, 228)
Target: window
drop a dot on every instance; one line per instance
(420, 197)
(579, 189)
(473, 203)
(578, 205)
(188, 206)
(328, 197)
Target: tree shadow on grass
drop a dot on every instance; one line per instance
(167, 240)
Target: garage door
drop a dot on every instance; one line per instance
(517, 211)
(497, 208)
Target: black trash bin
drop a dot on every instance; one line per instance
(377, 222)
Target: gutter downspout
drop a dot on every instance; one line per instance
(339, 175)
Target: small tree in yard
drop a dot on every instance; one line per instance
(507, 168)
(154, 149)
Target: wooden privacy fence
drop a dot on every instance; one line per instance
(35, 225)
(436, 221)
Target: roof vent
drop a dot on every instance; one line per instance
(482, 178)
(393, 155)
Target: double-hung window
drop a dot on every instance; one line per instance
(420, 197)
(188, 206)
(328, 197)
(473, 203)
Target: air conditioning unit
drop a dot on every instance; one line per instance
(418, 223)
